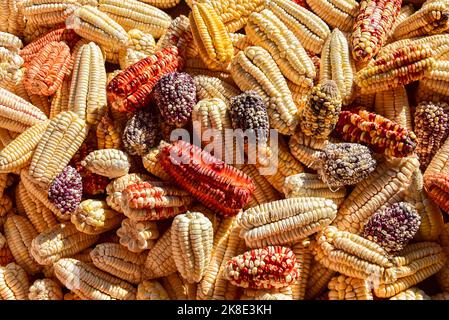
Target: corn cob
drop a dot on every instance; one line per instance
(210, 36)
(132, 14)
(196, 67)
(387, 71)
(153, 166)
(19, 233)
(115, 188)
(130, 89)
(304, 260)
(108, 133)
(128, 57)
(178, 34)
(16, 114)
(254, 69)
(60, 100)
(141, 41)
(32, 31)
(266, 30)
(13, 282)
(88, 282)
(10, 42)
(406, 11)
(211, 87)
(151, 290)
(62, 138)
(159, 261)
(5, 206)
(436, 79)
(439, 164)
(95, 217)
(6, 137)
(62, 240)
(87, 97)
(154, 200)
(6, 256)
(45, 289)
(10, 76)
(393, 105)
(175, 287)
(285, 221)
(11, 15)
(417, 262)
(228, 189)
(111, 163)
(381, 187)
(337, 14)
(271, 294)
(239, 41)
(436, 186)
(306, 149)
(346, 288)
(50, 12)
(137, 236)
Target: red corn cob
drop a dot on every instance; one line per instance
(60, 34)
(48, 68)
(222, 188)
(130, 89)
(269, 267)
(374, 21)
(377, 132)
(437, 187)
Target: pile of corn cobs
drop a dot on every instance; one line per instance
(98, 202)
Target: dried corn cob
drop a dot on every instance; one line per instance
(130, 89)
(254, 69)
(406, 11)
(304, 259)
(19, 233)
(108, 133)
(62, 240)
(174, 286)
(160, 262)
(436, 186)
(132, 14)
(87, 96)
(196, 66)
(90, 283)
(142, 132)
(11, 15)
(228, 189)
(178, 34)
(111, 163)
(152, 165)
(141, 41)
(306, 149)
(439, 163)
(285, 221)
(271, 294)
(137, 236)
(393, 105)
(62, 138)
(347, 288)
(115, 188)
(45, 289)
(393, 68)
(239, 41)
(381, 187)
(264, 192)
(95, 217)
(5, 255)
(411, 294)
(337, 14)
(151, 290)
(436, 79)
(211, 87)
(60, 100)
(50, 12)
(13, 282)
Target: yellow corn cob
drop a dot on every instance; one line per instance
(16, 114)
(115, 188)
(62, 138)
(192, 240)
(97, 26)
(62, 240)
(338, 65)
(9, 41)
(413, 293)
(108, 133)
(337, 14)
(50, 12)
(174, 286)
(432, 223)
(210, 87)
(438, 42)
(393, 105)
(309, 185)
(89, 283)
(11, 15)
(138, 236)
(267, 294)
(118, 261)
(306, 149)
(304, 260)
(132, 14)
(406, 11)
(151, 290)
(142, 41)
(45, 289)
(60, 100)
(318, 280)
(196, 66)
(95, 217)
(387, 181)
(347, 288)
(285, 221)
(151, 163)
(266, 30)
(160, 262)
(254, 69)
(13, 282)
(111, 163)
(87, 97)
(211, 37)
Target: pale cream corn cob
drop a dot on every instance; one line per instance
(436, 79)
(13, 282)
(211, 87)
(11, 15)
(45, 289)
(339, 14)
(413, 293)
(62, 138)
(151, 290)
(60, 241)
(111, 163)
(240, 41)
(114, 188)
(306, 149)
(393, 105)
(267, 294)
(266, 30)
(90, 283)
(304, 258)
(159, 261)
(141, 46)
(196, 66)
(162, 4)
(137, 236)
(346, 288)
(50, 12)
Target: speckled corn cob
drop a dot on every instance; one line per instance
(154, 200)
(87, 96)
(95, 217)
(115, 188)
(254, 69)
(159, 261)
(210, 36)
(211, 87)
(50, 12)
(130, 89)
(406, 11)
(266, 30)
(411, 294)
(60, 241)
(62, 138)
(16, 114)
(192, 240)
(436, 185)
(337, 14)
(338, 65)
(13, 282)
(347, 288)
(152, 165)
(45, 289)
(306, 149)
(142, 132)
(381, 187)
(217, 185)
(377, 132)
(111, 163)
(387, 71)
(90, 283)
(19, 233)
(137, 236)
(285, 221)
(415, 263)
(132, 14)
(393, 105)
(11, 14)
